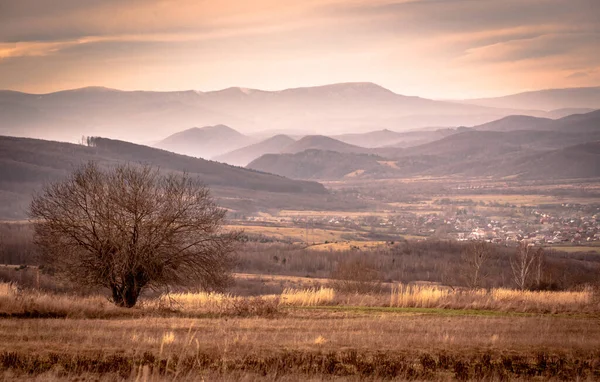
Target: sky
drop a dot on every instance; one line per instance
(432, 48)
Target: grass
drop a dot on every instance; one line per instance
(311, 333)
(305, 344)
(499, 299)
(349, 245)
(307, 297)
(31, 303)
(577, 248)
(293, 234)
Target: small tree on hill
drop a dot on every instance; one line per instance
(523, 263)
(129, 228)
(474, 258)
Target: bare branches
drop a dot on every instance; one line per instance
(474, 257)
(130, 228)
(526, 258)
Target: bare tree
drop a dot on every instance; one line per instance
(130, 228)
(474, 257)
(522, 264)
(540, 258)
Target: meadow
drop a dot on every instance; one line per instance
(414, 332)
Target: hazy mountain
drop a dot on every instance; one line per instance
(245, 155)
(419, 137)
(370, 139)
(589, 122)
(320, 164)
(565, 112)
(579, 161)
(470, 153)
(550, 99)
(576, 123)
(27, 163)
(516, 122)
(205, 142)
(321, 142)
(147, 116)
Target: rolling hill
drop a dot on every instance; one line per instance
(205, 142)
(245, 155)
(25, 164)
(320, 164)
(370, 139)
(470, 153)
(575, 123)
(321, 142)
(548, 100)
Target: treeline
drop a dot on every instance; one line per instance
(16, 245)
(447, 262)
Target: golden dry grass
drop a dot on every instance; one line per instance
(348, 245)
(223, 303)
(433, 296)
(307, 297)
(293, 234)
(292, 347)
(14, 302)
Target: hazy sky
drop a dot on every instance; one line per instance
(432, 48)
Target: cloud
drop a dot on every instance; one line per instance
(413, 46)
(578, 75)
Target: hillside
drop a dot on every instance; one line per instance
(470, 153)
(205, 142)
(467, 145)
(142, 116)
(422, 136)
(320, 164)
(549, 99)
(27, 163)
(516, 122)
(574, 123)
(245, 155)
(578, 161)
(370, 139)
(579, 123)
(321, 142)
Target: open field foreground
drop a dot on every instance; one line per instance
(303, 344)
(414, 333)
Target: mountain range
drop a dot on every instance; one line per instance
(142, 116)
(555, 101)
(569, 147)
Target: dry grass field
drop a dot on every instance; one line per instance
(416, 332)
(293, 234)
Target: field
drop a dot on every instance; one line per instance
(314, 334)
(292, 234)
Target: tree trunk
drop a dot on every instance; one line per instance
(126, 295)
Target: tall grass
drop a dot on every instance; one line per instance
(32, 303)
(434, 296)
(307, 297)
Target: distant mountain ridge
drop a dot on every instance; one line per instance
(547, 100)
(149, 116)
(322, 142)
(205, 142)
(587, 122)
(245, 155)
(465, 152)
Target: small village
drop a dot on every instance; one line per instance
(566, 226)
